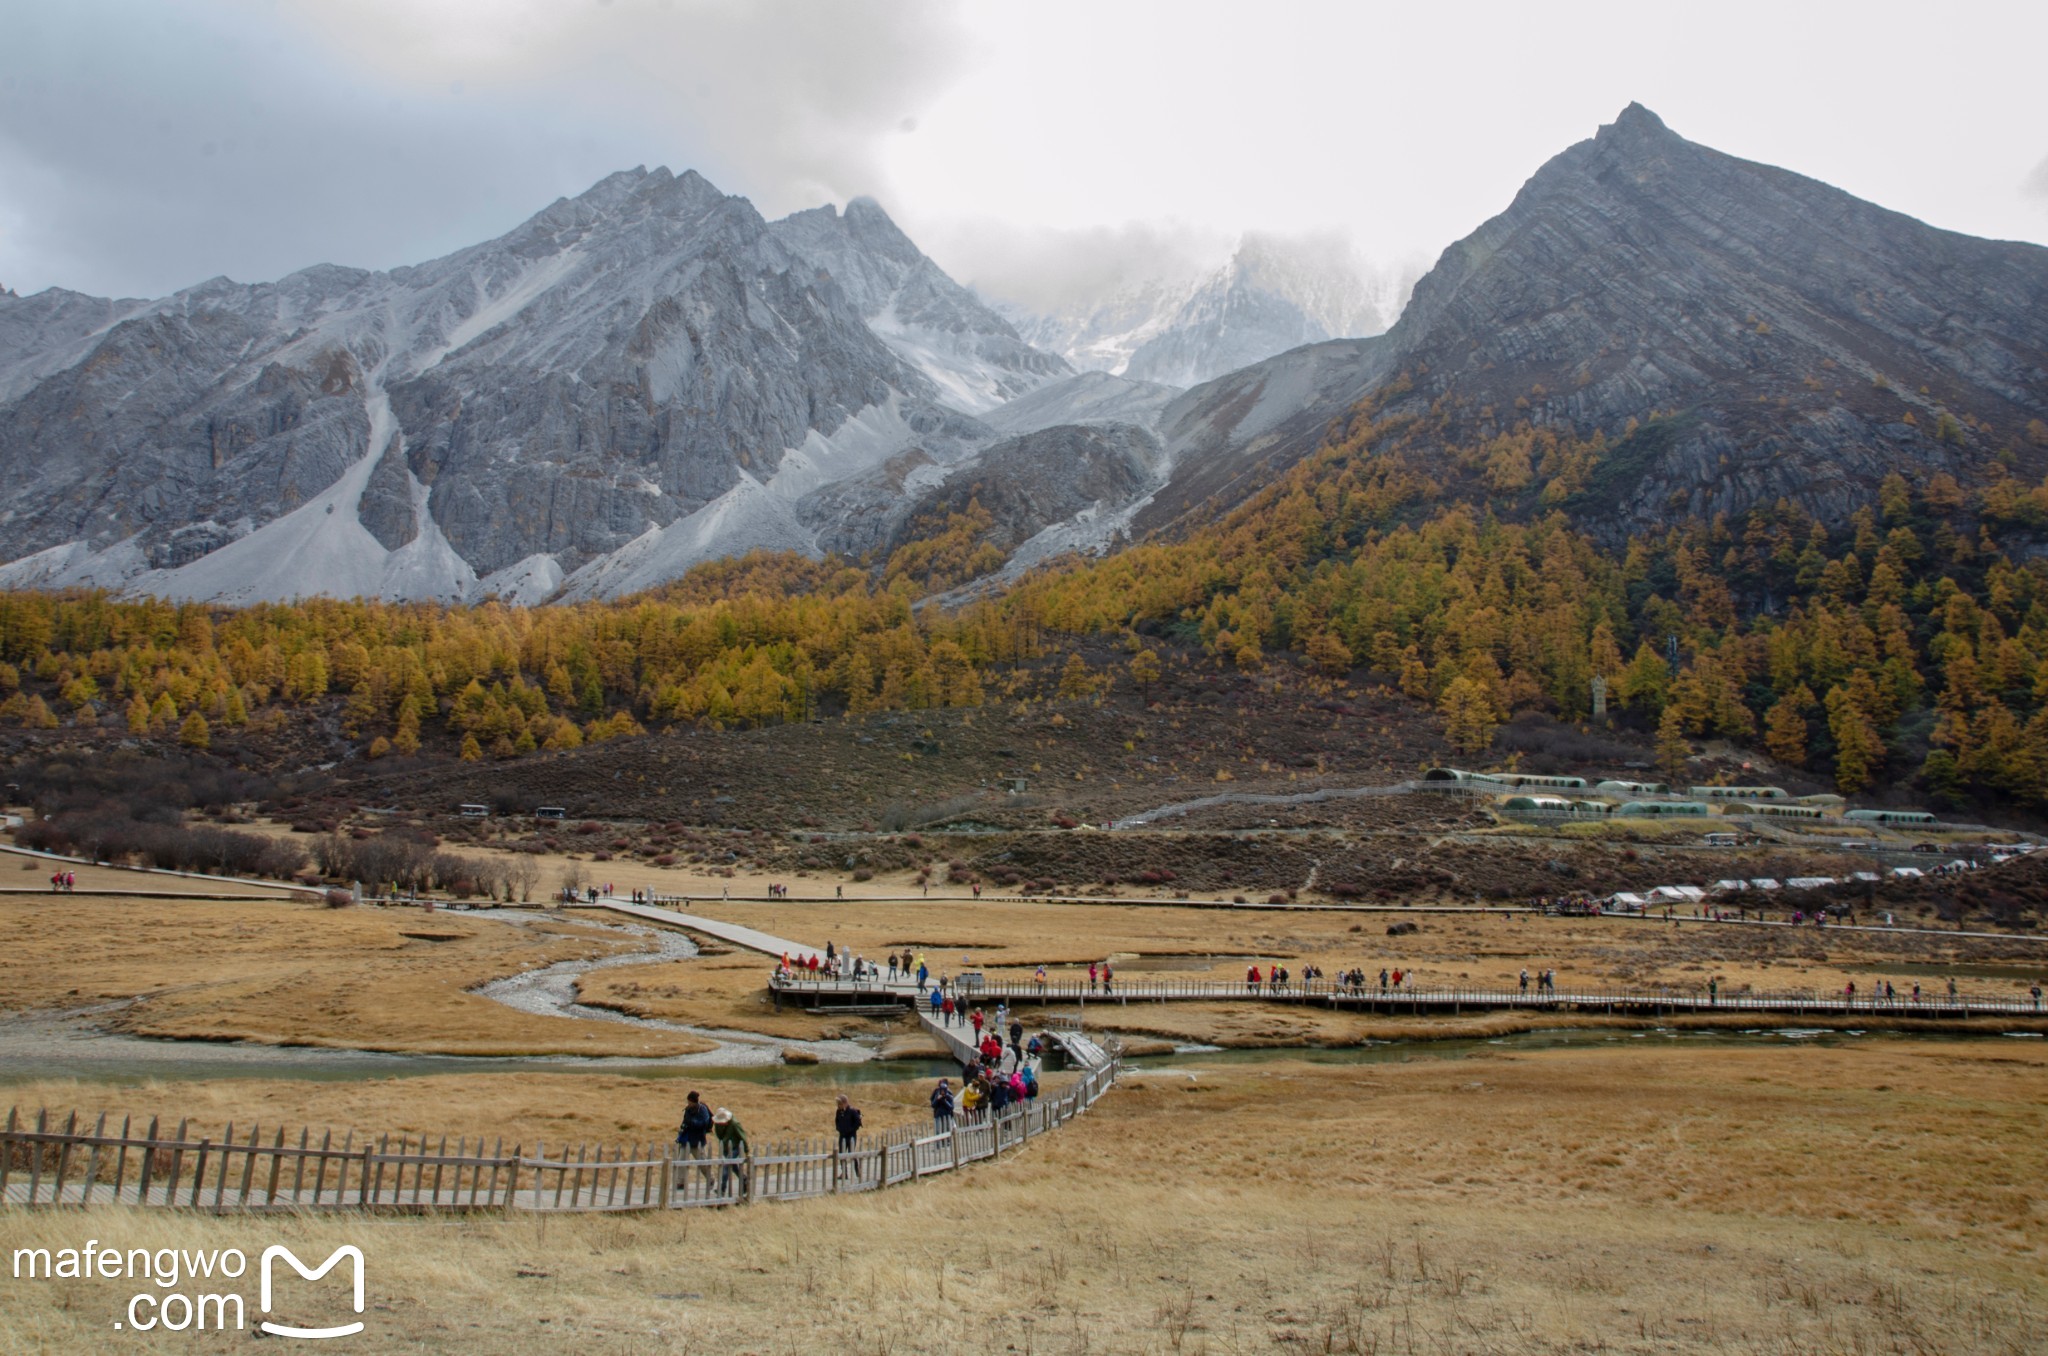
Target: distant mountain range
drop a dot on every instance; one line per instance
(1271, 295)
(651, 375)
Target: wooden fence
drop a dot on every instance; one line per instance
(69, 1163)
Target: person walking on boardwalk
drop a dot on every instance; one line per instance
(692, 1135)
(1525, 980)
(1091, 976)
(1251, 980)
(1714, 991)
(1383, 979)
(945, 1006)
(846, 1120)
(1951, 988)
(1108, 977)
(732, 1152)
(923, 975)
(977, 1020)
(2036, 992)
(1017, 1038)
(1039, 980)
(942, 1107)
(936, 1001)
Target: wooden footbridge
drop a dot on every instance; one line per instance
(1407, 1000)
(78, 1163)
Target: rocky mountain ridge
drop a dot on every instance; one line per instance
(1732, 332)
(635, 379)
(650, 375)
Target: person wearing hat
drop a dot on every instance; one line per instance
(942, 1107)
(732, 1149)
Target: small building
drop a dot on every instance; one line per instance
(1738, 793)
(1890, 816)
(1446, 777)
(474, 811)
(1655, 809)
(1764, 883)
(1826, 800)
(1677, 894)
(1721, 840)
(1631, 789)
(1808, 882)
(1729, 887)
(550, 812)
(1778, 811)
(1553, 805)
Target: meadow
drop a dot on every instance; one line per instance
(1875, 1198)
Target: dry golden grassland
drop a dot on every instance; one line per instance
(19, 872)
(398, 979)
(1006, 939)
(301, 974)
(1881, 1197)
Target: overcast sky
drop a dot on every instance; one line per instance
(1033, 148)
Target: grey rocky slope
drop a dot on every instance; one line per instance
(1769, 335)
(1047, 491)
(634, 379)
(932, 322)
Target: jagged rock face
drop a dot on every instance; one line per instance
(1028, 484)
(681, 348)
(1640, 274)
(932, 322)
(144, 439)
(616, 367)
(1638, 271)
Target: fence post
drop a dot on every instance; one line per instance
(668, 1174)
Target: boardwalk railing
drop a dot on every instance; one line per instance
(79, 1164)
(1408, 998)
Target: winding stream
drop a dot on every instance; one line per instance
(551, 992)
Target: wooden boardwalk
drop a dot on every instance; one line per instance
(1407, 1000)
(738, 934)
(73, 1164)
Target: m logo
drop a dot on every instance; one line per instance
(275, 1251)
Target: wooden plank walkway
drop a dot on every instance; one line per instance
(1408, 1000)
(751, 939)
(70, 1163)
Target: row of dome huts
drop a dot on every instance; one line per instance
(1539, 794)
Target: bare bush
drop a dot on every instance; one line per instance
(113, 831)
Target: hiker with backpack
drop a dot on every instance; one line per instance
(692, 1137)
